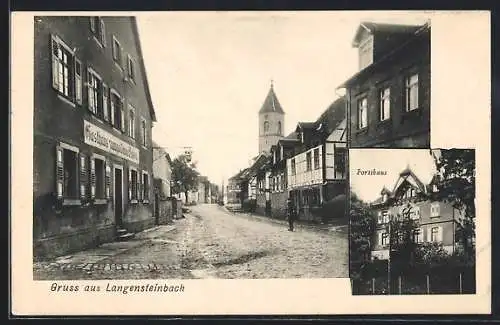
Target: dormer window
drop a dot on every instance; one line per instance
(366, 52)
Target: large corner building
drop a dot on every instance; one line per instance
(93, 114)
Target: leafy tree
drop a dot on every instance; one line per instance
(456, 179)
(184, 175)
(362, 228)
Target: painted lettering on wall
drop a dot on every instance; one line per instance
(104, 140)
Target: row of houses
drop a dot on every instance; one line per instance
(386, 104)
(97, 174)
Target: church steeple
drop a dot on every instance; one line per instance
(271, 121)
(271, 103)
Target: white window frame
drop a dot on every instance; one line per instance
(55, 69)
(99, 200)
(131, 122)
(113, 108)
(131, 68)
(411, 84)
(66, 199)
(362, 112)
(384, 240)
(435, 210)
(94, 74)
(385, 104)
(119, 59)
(437, 233)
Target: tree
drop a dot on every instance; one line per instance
(184, 175)
(362, 228)
(456, 179)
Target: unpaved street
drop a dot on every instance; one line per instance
(211, 242)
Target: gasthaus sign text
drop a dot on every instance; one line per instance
(104, 140)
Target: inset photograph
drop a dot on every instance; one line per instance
(412, 221)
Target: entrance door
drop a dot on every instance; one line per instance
(118, 197)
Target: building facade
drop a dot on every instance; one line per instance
(162, 176)
(93, 115)
(271, 121)
(435, 221)
(316, 173)
(388, 99)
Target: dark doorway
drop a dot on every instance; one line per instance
(118, 198)
(157, 209)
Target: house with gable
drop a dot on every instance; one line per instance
(388, 99)
(92, 145)
(436, 221)
(317, 168)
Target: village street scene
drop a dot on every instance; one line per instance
(217, 146)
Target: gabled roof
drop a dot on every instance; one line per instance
(374, 27)
(143, 70)
(333, 116)
(271, 103)
(406, 176)
(421, 31)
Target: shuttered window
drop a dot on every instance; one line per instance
(63, 68)
(108, 179)
(105, 100)
(83, 176)
(67, 172)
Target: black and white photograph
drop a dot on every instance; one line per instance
(246, 162)
(412, 221)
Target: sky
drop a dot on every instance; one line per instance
(209, 73)
(393, 162)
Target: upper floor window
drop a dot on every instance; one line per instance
(117, 114)
(435, 210)
(316, 158)
(308, 161)
(266, 126)
(293, 167)
(98, 28)
(366, 53)
(362, 113)
(64, 68)
(411, 93)
(385, 104)
(117, 51)
(94, 87)
(130, 68)
(279, 128)
(384, 239)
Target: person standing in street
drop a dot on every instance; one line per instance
(290, 211)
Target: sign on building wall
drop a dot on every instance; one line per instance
(99, 138)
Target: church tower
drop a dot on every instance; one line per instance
(271, 121)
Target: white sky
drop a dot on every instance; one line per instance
(209, 73)
(393, 161)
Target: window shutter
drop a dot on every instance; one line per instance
(108, 179)
(103, 32)
(83, 176)
(112, 108)
(129, 184)
(78, 81)
(92, 178)
(55, 63)
(122, 122)
(92, 24)
(59, 172)
(90, 102)
(139, 187)
(105, 101)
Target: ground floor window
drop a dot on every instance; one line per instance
(132, 184)
(145, 186)
(70, 173)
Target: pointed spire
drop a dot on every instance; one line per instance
(271, 103)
